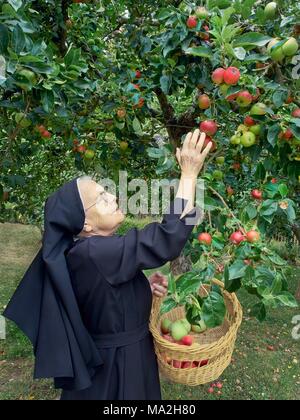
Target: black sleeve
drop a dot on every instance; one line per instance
(118, 258)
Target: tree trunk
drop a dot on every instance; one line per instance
(181, 265)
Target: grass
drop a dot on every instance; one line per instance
(256, 373)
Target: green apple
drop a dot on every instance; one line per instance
(248, 139)
(277, 54)
(200, 327)
(258, 109)
(218, 175)
(270, 10)
(220, 160)
(255, 129)
(290, 47)
(235, 139)
(21, 120)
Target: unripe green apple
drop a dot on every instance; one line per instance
(270, 10)
(220, 160)
(248, 139)
(290, 47)
(235, 139)
(255, 129)
(258, 109)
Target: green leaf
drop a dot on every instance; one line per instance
(283, 189)
(279, 98)
(167, 305)
(252, 38)
(47, 100)
(272, 135)
(188, 283)
(165, 83)
(18, 39)
(16, 4)
(251, 211)
(199, 52)
(213, 310)
(259, 311)
(136, 125)
(287, 299)
(240, 53)
(155, 152)
(268, 208)
(4, 38)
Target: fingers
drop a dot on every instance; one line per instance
(187, 141)
(206, 150)
(194, 139)
(201, 142)
(178, 155)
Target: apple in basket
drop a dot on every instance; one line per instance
(179, 329)
(200, 327)
(177, 364)
(165, 326)
(187, 340)
(168, 338)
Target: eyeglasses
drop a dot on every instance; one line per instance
(102, 195)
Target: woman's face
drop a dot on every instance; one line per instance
(102, 214)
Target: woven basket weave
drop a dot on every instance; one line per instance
(212, 350)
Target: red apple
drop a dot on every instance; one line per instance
(257, 194)
(204, 101)
(187, 340)
(288, 134)
(252, 236)
(81, 148)
(296, 113)
(176, 364)
(249, 121)
(140, 104)
(138, 74)
(236, 166)
(205, 238)
(231, 76)
(210, 140)
(186, 365)
(218, 76)
(192, 22)
(208, 127)
(244, 98)
(274, 181)
(46, 134)
(237, 237)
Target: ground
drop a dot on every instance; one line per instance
(266, 360)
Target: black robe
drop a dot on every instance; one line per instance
(114, 298)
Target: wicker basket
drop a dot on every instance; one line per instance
(211, 350)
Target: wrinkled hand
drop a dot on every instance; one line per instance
(193, 153)
(159, 284)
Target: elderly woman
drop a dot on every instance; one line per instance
(85, 303)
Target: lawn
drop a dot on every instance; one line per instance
(266, 361)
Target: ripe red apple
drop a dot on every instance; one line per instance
(247, 262)
(168, 337)
(186, 365)
(40, 128)
(177, 364)
(244, 98)
(252, 236)
(203, 363)
(218, 76)
(210, 140)
(289, 100)
(231, 76)
(296, 113)
(210, 390)
(187, 340)
(257, 194)
(287, 134)
(191, 22)
(204, 101)
(205, 238)
(46, 134)
(232, 97)
(81, 148)
(249, 121)
(208, 127)
(237, 237)
(138, 74)
(205, 36)
(274, 181)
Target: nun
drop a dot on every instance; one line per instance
(84, 301)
